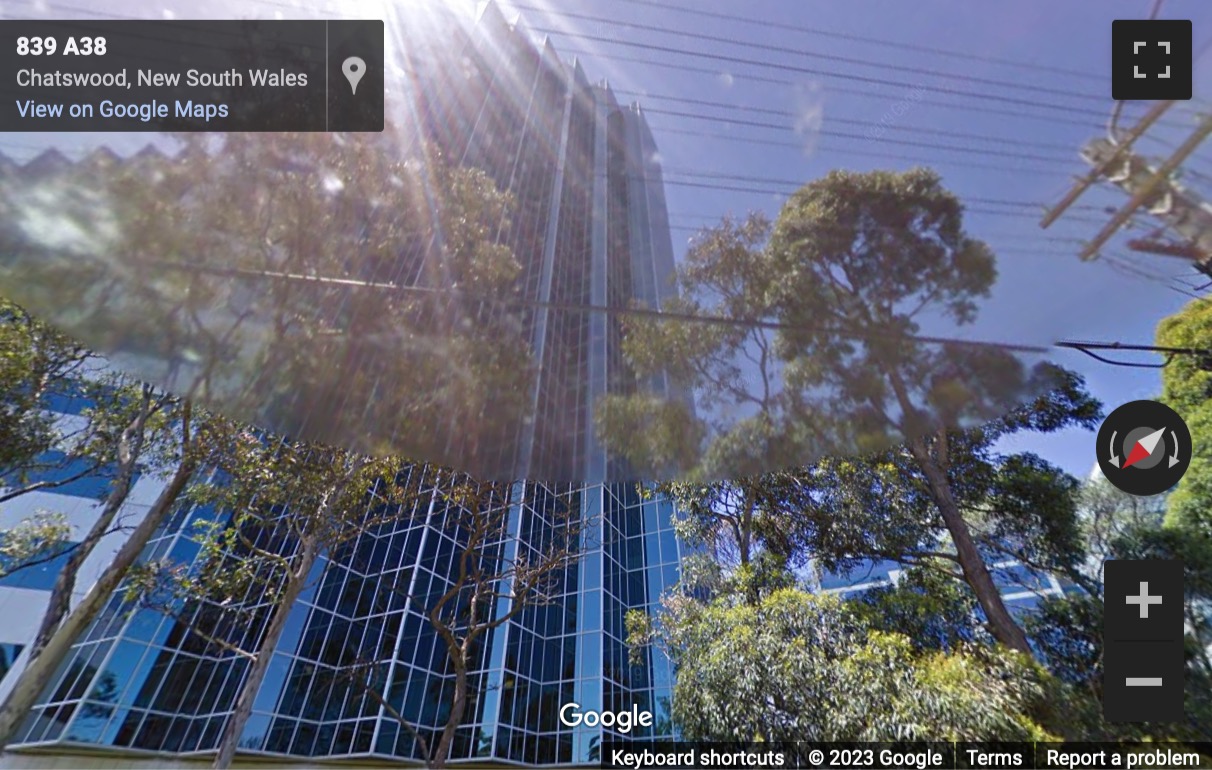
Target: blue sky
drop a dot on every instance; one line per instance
(1044, 292)
(1045, 64)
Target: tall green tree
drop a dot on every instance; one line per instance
(124, 426)
(214, 281)
(1109, 514)
(822, 353)
(124, 429)
(928, 606)
(144, 427)
(40, 452)
(1016, 506)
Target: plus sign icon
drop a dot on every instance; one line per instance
(1143, 599)
(1151, 59)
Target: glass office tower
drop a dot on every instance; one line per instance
(141, 680)
(590, 228)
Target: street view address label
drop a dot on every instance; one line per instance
(191, 75)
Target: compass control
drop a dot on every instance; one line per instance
(1144, 448)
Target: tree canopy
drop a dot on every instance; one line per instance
(799, 666)
(36, 363)
(1187, 388)
(811, 336)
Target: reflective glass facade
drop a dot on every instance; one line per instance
(590, 225)
(590, 228)
(141, 680)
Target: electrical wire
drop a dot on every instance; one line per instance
(788, 193)
(978, 209)
(496, 298)
(863, 153)
(883, 43)
(848, 60)
(1020, 113)
(929, 130)
(1017, 113)
(1017, 239)
(797, 184)
(703, 221)
(1017, 154)
(998, 250)
(802, 70)
(1127, 268)
(1170, 353)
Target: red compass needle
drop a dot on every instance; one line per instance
(1144, 447)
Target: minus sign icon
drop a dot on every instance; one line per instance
(1144, 681)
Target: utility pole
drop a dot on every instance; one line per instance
(1123, 148)
(1151, 188)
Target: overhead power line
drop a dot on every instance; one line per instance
(1015, 250)
(1029, 236)
(1204, 355)
(866, 153)
(803, 70)
(785, 192)
(1021, 112)
(1027, 239)
(701, 221)
(1027, 215)
(496, 298)
(808, 54)
(1005, 141)
(1018, 113)
(966, 199)
(882, 42)
(701, 318)
(1017, 154)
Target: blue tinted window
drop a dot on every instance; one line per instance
(8, 656)
(39, 577)
(68, 401)
(866, 572)
(60, 468)
(1019, 577)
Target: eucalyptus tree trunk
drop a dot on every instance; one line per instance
(296, 579)
(1001, 623)
(129, 450)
